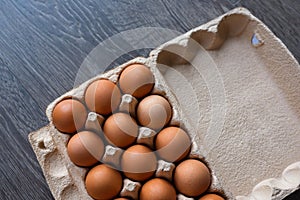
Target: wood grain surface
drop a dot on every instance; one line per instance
(44, 42)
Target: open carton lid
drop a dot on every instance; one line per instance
(239, 87)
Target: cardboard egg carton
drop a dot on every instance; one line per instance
(233, 86)
(73, 175)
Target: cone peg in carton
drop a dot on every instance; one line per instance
(130, 189)
(112, 155)
(128, 104)
(165, 170)
(146, 136)
(94, 122)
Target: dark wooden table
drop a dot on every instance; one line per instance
(43, 43)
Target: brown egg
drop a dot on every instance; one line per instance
(192, 178)
(138, 163)
(154, 112)
(103, 182)
(69, 115)
(172, 144)
(211, 197)
(85, 148)
(137, 80)
(102, 96)
(120, 129)
(157, 189)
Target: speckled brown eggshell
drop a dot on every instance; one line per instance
(211, 197)
(138, 163)
(102, 96)
(172, 144)
(69, 115)
(103, 182)
(120, 129)
(158, 189)
(192, 178)
(137, 80)
(85, 148)
(154, 112)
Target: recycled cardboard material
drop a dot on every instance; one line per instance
(234, 87)
(247, 102)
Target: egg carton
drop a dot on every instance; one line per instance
(260, 134)
(73, 176)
